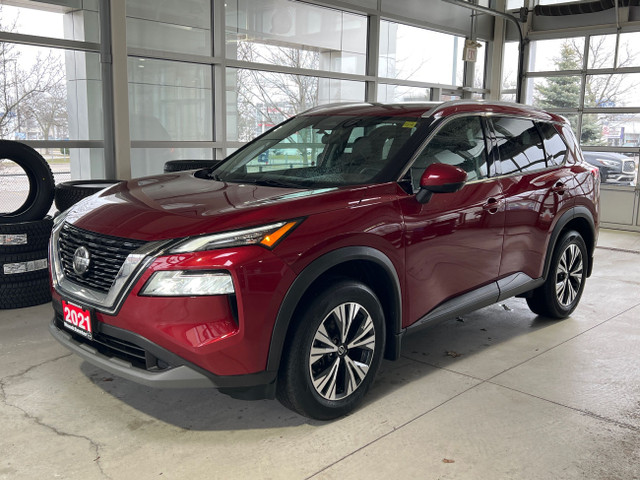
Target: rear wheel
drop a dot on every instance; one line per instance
(334, 352)
(559, 296)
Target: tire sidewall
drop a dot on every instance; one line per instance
(39, 176)
(569, 238)
(67, 194)
(309, 400)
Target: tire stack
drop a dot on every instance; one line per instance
(69, 193)
(25, 232)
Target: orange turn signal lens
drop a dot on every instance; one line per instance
(273, 238)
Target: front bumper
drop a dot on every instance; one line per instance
(168, 371)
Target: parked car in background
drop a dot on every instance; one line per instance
(614, 167)
(294, 278)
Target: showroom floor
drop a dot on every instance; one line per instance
(496, 394)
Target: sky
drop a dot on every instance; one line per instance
(34, 22)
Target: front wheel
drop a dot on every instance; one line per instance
(334, 352)
(559, 296)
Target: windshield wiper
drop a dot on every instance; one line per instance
(213, 176)
(268, 182)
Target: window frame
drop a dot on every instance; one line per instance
(496, 155)
(435, 129)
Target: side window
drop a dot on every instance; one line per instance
(519, 145)
(553, 144)
(459, 142)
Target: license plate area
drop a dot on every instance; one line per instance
(77, 319)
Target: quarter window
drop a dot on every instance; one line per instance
(554, 146)
(519, 146)
(461, 143)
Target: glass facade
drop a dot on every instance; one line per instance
(408, 53)
(52, 90)
(206, 76)
(593, 81)
(183, 27)
(293, 34)
(169, 101)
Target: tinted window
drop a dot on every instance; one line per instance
(460, 142)
(519, 145)
(553, 144)
(320, 151)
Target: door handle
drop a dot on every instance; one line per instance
(558, 188)
(492, 206)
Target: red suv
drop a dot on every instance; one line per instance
(294, 266)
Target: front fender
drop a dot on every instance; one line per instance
(313, 272)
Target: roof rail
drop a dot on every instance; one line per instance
(327, 106)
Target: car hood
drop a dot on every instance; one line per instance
(180, 205)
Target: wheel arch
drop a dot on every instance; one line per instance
(365, 264)
(580, 219)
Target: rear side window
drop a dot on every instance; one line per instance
(519, 146)
(459, 142)
(554, 146)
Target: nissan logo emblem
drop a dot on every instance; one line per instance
(81, 260)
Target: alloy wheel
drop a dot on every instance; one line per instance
(342, 351)
(569, 275)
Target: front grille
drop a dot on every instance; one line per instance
(107, 254)
(629, 166)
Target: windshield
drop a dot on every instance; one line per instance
(320, 151)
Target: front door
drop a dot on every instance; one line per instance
(453, 242)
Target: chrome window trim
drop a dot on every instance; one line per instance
(531, 117)
(418, 150)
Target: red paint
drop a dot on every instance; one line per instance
(454, 243)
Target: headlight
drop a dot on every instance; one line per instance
(267, 236)
(609, 163)
(178, 283)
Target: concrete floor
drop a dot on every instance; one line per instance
(515, 397)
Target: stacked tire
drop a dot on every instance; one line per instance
(25, 232)
(69, 193)
(182, 165)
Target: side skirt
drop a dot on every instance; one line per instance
(508, 287)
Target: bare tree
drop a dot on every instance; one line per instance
(601, 90)
(48, 109)
(267, 98)
(22, 82)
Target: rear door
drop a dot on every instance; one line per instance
(535, 187)
(453, 242)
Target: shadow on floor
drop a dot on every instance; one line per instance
(210, 410)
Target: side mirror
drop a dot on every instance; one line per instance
(440, 178)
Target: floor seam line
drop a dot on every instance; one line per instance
(575, 409)
(617, 249)
(394, 430)
(563, 342)
(446, 369)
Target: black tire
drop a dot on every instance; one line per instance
(335, 396)
(181, 165)
(25, 236)
(69, 193)
(25, 294)
(20, 267)
(560, 294)
(41, 184)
